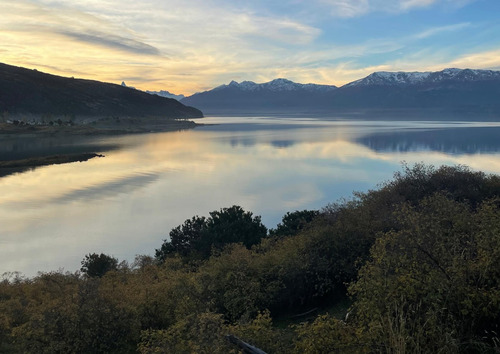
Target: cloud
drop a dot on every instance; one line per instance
(348, 8)
(482, 60)
(442, 29)
(426, 60)
(409, 4)
(185, 47)
(356, 8)
(112, 41)
(203, 41)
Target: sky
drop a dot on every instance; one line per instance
(194, 45)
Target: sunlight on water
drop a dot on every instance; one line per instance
(127, 202)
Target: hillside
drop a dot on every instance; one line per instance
(448, 94)
(30, 92)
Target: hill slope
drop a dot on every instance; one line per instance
(25, 91)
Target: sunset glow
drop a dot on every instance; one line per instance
(190, 46)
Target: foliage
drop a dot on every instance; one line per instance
(183, 238)
(327, 334)
(199, 236)
(261, 333)
(293, 222)
(61, 313)
(206, 332)
(96, 265)
(434, 285)
(203, 333)
(419, 256)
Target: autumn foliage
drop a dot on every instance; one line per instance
(412, 266)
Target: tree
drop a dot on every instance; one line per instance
(199, 235)
(293, 222)
(96, 265)
(434, 285)
(183, 238)
(231, 225)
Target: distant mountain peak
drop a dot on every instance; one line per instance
(281, 81)
(411, 78)
(275, 85)
(391, 78)
(449, 92)
(166, 94)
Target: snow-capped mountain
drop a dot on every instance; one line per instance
(166, 94)
(279, 95)
(276, 85)
(415, 78)
(443, 94)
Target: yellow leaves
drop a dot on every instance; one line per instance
(442, 259)
(327, 334)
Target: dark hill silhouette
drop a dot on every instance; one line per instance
(25, 91)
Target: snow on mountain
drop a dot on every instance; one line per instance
(276, 85)
(464, 75)
(413, 78)
(166, 94)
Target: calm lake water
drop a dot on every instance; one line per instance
(126, 203)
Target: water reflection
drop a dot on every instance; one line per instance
(126, 203)
(449, 141)
(16, 149)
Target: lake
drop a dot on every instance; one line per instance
(127, 202)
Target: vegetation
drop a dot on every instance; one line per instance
(198, 236)
(418, 259)
(293, 222)
(96, 265)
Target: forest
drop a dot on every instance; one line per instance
(409, 267)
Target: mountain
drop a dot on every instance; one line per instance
(447, 94)
(384, 78)
(276, 96)
(166, 94)
(30, 92)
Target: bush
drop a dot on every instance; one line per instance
(96, 265)
(197, 237)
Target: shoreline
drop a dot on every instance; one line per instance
(102, 127)
(108, 126)
(22, 165)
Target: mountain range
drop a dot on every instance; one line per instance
(280, 95)
(449, 93)
(166, 94)
(30, 92)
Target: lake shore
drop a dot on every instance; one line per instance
(101, 127)
(16, 166)
(106, 126)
